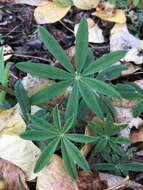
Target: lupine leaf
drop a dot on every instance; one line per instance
(56, 118)
(81, 138)
(81, 45)
(68, 162)
(46, 155)
(76, 155)
(101, 145)
(36, 135)
(101, 87)
(69, 124)
(72, 104)
(43, 125)
(90, 99)
(50, 92)
(135, 166)
(104, 62)
(43, 70)
(54, 48)
(23, 99)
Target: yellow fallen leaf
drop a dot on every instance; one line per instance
(11, 122)
(22, 153)
(50, 12)
(86, 4)
(118, 17)
(55, 177)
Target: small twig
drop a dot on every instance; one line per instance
(33, 57)
(66, 27)
(121, 184)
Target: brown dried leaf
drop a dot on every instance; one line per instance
(14, 177)
(55, 177)
(137, 135)
(90, 181)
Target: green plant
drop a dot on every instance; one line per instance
(108, 143)
(82, 78)
(4, 75)
(132, 91)
(58, 139)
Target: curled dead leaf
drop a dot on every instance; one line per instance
(86, 4)
(11, 122)
(13, 177)
(22, 153)
(134, 55)
(50, 12)
(55, 177)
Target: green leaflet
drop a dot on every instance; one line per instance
(49, 93)
(73, 100)
(46, 155)
(55, 49)
(81, 138)
(68, 162)
(90, 99)
(23, 99)
(138, 109)
(43, 70)
(101, 87)
(81, 45)
(104, 62)
(37, 135)
(76, 155)
(56, 118)
(69, 124)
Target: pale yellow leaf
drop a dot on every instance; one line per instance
(118, 17)
(55, 177)
(86, 4)
(11, 122)
(50, 12)
(22, 153)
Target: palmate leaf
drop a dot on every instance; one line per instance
(76, 155)
(73, 101)
(134, 166)
(46, 154)
(49, 93)
(104, 62)
(43, 70)
(105, 166)
(23, 99)
(81, 45)
(101, 87)
(101, 144)
(68, 162)
(55, 49)
(90, 99)
(69, 124)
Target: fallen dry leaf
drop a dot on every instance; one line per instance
(113, 180)
(86, 4)
(108, 12)
(137, 135)
(28, 2)
(14, 177)
(90, 181)
(134, 55)
(50, 12)
(55, 177)
(22, 153)
(121, 39)
(7, 50)
(95, 33)
(11, 122)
